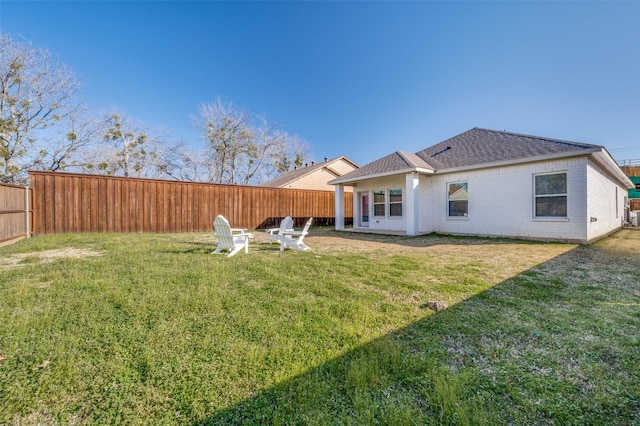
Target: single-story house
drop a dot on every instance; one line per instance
(314, 175)
(490, 183)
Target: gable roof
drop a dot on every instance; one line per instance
(475, 148)
(292, 175)
(390, 165)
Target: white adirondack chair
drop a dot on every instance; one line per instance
(231, 239)
(277, 234)
(298, 244)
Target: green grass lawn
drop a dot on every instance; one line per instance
(153, 329)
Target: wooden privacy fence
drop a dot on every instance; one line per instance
(631, 170)
(74, 203)
(634, 204)
(15, 212)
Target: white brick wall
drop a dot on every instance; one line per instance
(605, 202)
(501, 202)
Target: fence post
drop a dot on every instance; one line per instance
(27, 211)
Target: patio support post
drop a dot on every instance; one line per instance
(339, 207)
(413, 203)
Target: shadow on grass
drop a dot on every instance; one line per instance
(330, 233)
(552, 345)
(203, 247)
(423, 240)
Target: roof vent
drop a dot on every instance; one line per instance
(326, 159)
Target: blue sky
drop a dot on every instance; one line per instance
(361, 79)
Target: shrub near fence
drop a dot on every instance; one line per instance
(15, 215)
(75, 203)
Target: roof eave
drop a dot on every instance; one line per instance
(418, 170)
(330, 170)
(598, 153)
(606, 161)
(348, 160)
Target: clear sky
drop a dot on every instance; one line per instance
(361, 79)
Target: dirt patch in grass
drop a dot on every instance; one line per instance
(507, 257)
(45, 256)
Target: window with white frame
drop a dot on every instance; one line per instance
(395, 202)
(550, 193)
(458, 199)
(379, 200)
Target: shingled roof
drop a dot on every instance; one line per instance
(475, 147)
(391, 164)
(478, 146)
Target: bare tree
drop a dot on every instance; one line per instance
(269, 142)
(36, 92)
(228, 133)
(69, 148)
(130, 149)
(183, 164)
(128, 142)
(242, 149)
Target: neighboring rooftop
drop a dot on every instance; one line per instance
(313, 175)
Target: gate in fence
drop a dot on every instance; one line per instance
(15, 213)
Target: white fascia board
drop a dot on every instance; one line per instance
(379, 175)
(582, 152)
(606, 161)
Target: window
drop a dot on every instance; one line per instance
(458, 199)
(551, 195)
(395, 202)
(378, 203)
